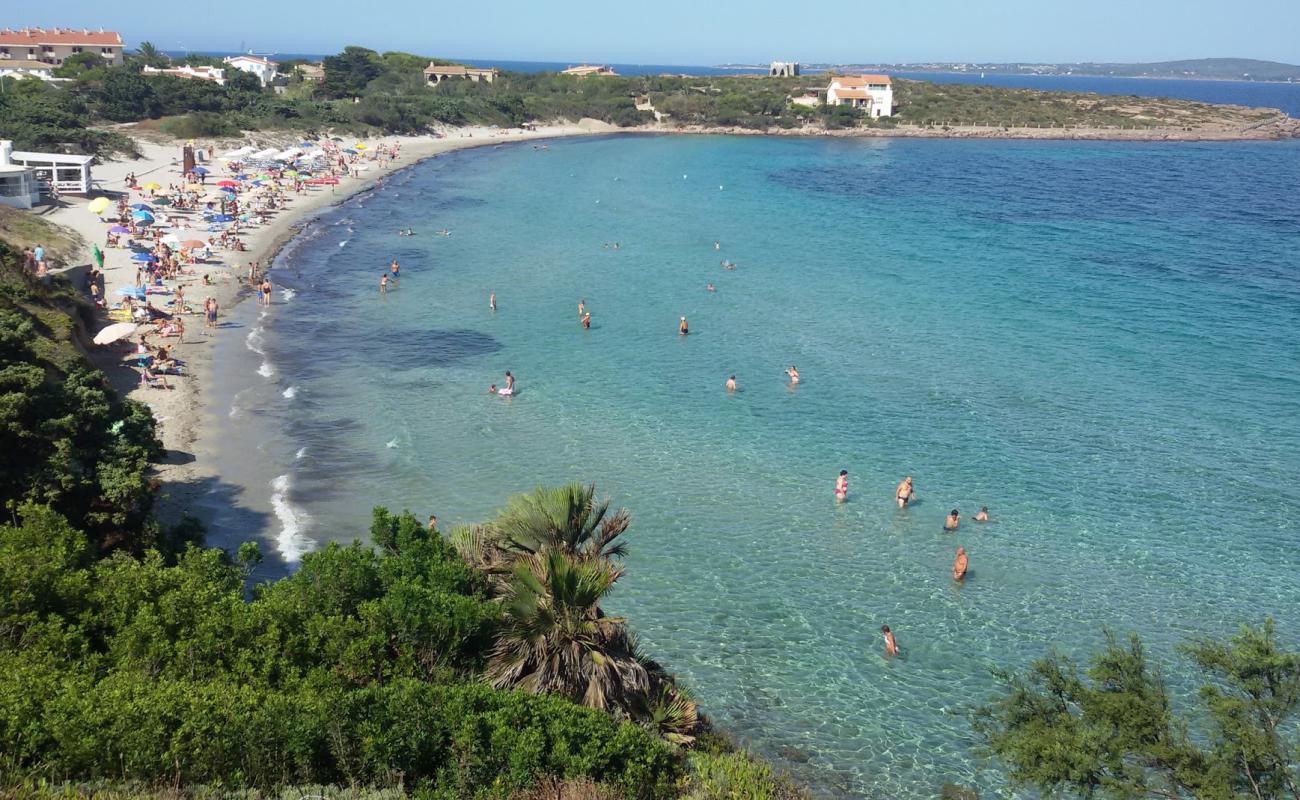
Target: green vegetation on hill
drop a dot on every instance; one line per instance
(367, 91)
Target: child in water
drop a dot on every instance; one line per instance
(842, 486)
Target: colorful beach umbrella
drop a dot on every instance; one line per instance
(119, 229)
(359, 146)
(132, 291)
(227, 183)
(163, 201)
(193, 244)
(200, 170)
(222, 218)
(98, 206)
(142, 207)
(151, 185)
(143, 257)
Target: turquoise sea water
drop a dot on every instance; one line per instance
(1099, 341)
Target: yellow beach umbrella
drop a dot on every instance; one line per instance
(98, 206)
(151, 185)
(359, 146)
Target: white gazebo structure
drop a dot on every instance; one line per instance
(18, 185)
(71, 174)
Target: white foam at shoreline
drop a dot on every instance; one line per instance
(288, 294)
(290, 393)
(302, 451)
(266, 370)
(290, 541)
(254, 341)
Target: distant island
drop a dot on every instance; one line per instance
(1221, 69)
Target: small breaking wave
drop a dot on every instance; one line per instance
(266, 370)
(288, 294)
(290, 393)
(291, 540)
(254, 340)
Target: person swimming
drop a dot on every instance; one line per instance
(903, 494)
(982, 515)
(492, 389)
(891, 645)
(731, 383)
(793, 372)
(953, 520)
(842, 486)
(683, 328)
(717, 245)
(492, 300)
(960, 565)
(586, 321)
(711, 288)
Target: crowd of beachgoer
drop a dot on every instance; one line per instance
(149, 222)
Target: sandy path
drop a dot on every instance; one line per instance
(180, 409)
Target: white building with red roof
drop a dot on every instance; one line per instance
(871, 93)
(55, 45)
(263, 68)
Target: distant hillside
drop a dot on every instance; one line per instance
(1232, 69)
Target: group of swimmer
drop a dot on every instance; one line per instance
(903, 496)
(389, 278)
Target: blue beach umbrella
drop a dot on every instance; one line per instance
(132, 291)
(142, 207)
(200, 170)
(119, 229)
(142, 257)
(221, 218)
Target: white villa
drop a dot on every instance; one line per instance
(264, 69)
(189, 72)
(871, 93)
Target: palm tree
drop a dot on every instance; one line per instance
(149, 55)
(555, 638)
(565, 518)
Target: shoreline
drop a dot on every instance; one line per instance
(187, 467)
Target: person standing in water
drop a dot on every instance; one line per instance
(510, 383)
(891, 646)
(582, 308)
(842, 486)
(266, 291)
(492, 300)
(393, 270)
(683, 328)
(903, 493)
(717, 245)
(953, 520)
(731, 384)
(586, 321)
(960, 565)
(383, 283)
(793, 372)
(982, 515)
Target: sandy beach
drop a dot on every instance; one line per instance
(179, 409)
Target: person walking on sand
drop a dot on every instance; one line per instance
(891, 646)
(731, 384)
(683, 328)
(842, 486)
(960, 565)
(211, 306)
(953, 520)
(903, 493)
(492, 301)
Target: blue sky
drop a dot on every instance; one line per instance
(707, 31)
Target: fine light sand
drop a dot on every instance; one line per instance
(179, 410)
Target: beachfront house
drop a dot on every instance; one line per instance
(783, 69)
(263, 68)
(18, 185)
(873, 94)
(584, 70)
(189, 72)
(71, 174)
(54, 45)
(16, 68)
(435, 74)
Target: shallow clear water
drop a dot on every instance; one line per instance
(1099, 341)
